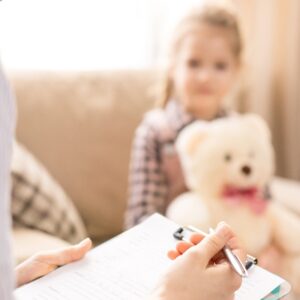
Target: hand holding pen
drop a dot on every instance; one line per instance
(230, 252)
(198, 272)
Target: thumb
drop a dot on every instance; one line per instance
(214, 242)
(66, 255)
(73, 253)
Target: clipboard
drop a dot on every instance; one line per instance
(129, 267)
(183, 233)
(279, 292)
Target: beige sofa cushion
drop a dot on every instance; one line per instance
(81, 125)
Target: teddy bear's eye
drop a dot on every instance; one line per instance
(227, 157)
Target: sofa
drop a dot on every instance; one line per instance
(80, 125)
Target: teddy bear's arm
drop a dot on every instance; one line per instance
(286, 229)
(188, 209)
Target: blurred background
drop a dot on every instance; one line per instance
(131, 34)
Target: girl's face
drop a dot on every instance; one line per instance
(204, 70)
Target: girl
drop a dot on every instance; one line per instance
(205, 56)
(204, 61)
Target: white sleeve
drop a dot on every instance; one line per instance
(7, 127)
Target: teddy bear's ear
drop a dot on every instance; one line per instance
(190, 137)
(258, 123)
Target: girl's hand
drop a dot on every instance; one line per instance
(43, 263)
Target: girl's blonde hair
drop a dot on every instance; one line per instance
(212, 14)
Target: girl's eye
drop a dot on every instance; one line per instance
(221, 66)
(227, 157)
(193, 63)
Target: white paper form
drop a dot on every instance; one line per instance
(128, 267)
(258, 285)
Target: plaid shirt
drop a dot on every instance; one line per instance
(155, 175)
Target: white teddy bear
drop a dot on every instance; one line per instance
(228, 163)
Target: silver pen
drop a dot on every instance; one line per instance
(233, 259)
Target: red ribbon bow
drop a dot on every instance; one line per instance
(250, 196)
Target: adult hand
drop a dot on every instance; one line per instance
(200, 270)
(43, 263)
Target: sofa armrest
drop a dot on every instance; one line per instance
(287, 192)
(27, 242)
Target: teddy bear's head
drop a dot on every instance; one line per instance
(229, 155)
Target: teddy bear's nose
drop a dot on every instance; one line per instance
(246, 170)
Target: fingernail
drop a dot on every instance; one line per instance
(221, 224)
(223, 230)
(85, 241)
